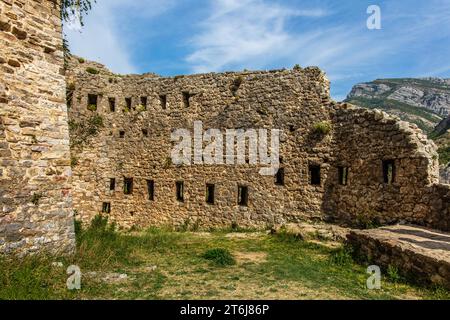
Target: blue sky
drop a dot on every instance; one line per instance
(172, 37)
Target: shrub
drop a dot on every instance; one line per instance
(35, 198)
(73, 161)
(393, 273)
(367, 220)
(92, 107)
(322, 128)
(342, 256)
(220, 257)
(92, 70)
(81, 60)
(140, 108)
(297, 67)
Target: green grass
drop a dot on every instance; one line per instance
(220, 257)
(266, 266)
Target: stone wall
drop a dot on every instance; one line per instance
(35, 203)
(363, 140)
(419, 254)
(294, 101)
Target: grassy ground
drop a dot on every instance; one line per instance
(260, 266)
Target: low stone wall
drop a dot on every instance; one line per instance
(421, 254)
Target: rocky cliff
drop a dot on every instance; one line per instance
(424, 102)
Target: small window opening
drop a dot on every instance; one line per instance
(92, 102)
(151, 190)
(128, 185)
(145, 132)
(122, 134)
(112, 184)
(106, 208)
(279, 177)
(210, 188)
(128, 103)
(389, 171)
(163, 100)
(144, 102)
(186, 99)
(180, 191)
(243, 196)
(343, 175)
(112, 104)
(314, 174)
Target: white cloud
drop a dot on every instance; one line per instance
(244, 32)
(101, 39)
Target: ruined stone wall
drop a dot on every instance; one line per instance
(294, 101)
(363, 140)
(35, 201)
(289, 100)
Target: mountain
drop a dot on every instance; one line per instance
(424, 101)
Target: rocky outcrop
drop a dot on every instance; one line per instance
(430, 93)
(419, 253)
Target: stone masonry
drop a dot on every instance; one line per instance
(369, 168)
(35, 202)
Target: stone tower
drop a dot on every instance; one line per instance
(35, 200)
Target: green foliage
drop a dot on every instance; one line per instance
(81, 131)
(140, 108)
(367, 220)
(81, 60)
(444, 155)
(342, 256)
(393, 274)
(92, 70)
(71, 7)
(35, 198)
(297, 67)
(220, 257)
(322, 128)
(92, 107)
(73, 161)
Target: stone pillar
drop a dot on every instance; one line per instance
(35, 200)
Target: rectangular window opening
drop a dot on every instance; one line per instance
(112, 104)
(106, 208)
(122, 134)
(314, 174)
(144, 102)
(343, 176)
(279, 177)
(210, 189)
(151, 190)
(145, 132)
(243, 196)
(112, 184)
(163, 100)
(92, 102)
(128, 103)
(128, 185)
(186, 99)
(180, 191)
(389, 171)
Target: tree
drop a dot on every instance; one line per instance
(70, 8)
(75, 7)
